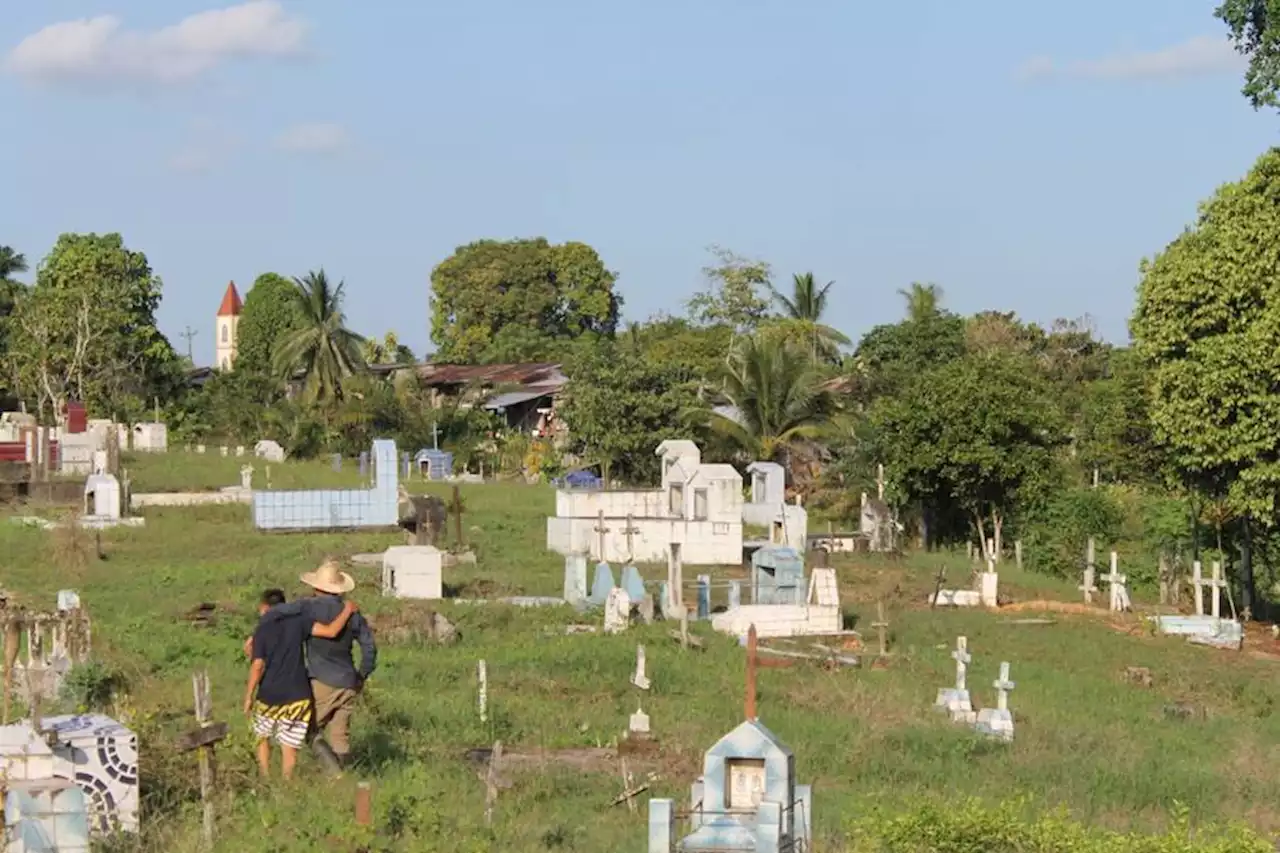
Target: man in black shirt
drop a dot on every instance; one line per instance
(278, 677)
(335, 682)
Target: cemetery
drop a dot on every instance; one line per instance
(628, 696)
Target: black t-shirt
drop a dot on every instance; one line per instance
(279, 643)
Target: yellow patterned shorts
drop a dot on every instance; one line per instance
(288, 724)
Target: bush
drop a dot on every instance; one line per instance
(974, 827)
(1058, 533)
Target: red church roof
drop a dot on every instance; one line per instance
(231, 303)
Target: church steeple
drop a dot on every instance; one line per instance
(226, 328)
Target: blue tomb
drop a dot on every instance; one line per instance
(777, 576)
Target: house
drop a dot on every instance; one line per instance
(524, 394)
(694, 516)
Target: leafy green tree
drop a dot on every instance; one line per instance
(777, 399)
(268, 317)
(11, 264)
(890, 356)
(1114, 435)
(735, 295)
(803, 311)
(86, 330)
(1254, 26)
(924, 301)
(978, 432)
(544, 293)
(1207, 324)
(322, 348)
(619, 406)
(389, 350)
(697, 353)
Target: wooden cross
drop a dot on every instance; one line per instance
(203, 739)
(457, 509)
(630, 530)
(1219, 584)
(752, 657)
(1197, 581)
(880, 625)
(601, 530)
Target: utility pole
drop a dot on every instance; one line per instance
(190, 333)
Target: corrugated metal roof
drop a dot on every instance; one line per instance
(490, 374)
(512, 398)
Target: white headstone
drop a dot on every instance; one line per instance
(1116, 583)
(998, 721)
(482, 692)
(240, 450)
(955, 700)
(989, 592)
(246, 477)
(413, 571)
(1219, 584)
(68, 599)
(102, 496)
(617, 611)
(269, 450)
(640, 679)
(639, 722)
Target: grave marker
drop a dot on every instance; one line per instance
(1219, 584)
(1116, 586)
(998, 721)
(482, 699)
(203, 739)
(629, 531)
(617, 611)
(457, 509)
(1088, 587)
(640, 679)
(704, 596)
(600, 530)
(881, 625)
(1198, 581)
(955, 700)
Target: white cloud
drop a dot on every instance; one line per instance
(1195, 57)
(102, 51)
(314, 138)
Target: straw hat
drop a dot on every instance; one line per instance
(329, 579)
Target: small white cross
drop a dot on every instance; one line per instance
(1003, 685)
(1219, 584)
(1198, 581)
(1119, 595)
(962, 658)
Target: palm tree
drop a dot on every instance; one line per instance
(775, 397)
(924, 301)
(11, 263)
(321, 348)
(805, 307)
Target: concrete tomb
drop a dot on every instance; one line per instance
(998, 721)
(413, 571)
(575, 579)
(269, 450)
(1201, 628)
(52, 643)
(632, 583)
(150, 438)
(768, 493)
(777, 575)
(696, 506)
(602, 584)
(745, 801)
(986, 595)
(93, 752)
(819, 614)
(335, 509)
(955, 701)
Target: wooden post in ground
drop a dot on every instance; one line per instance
(1017, 553)
(203, 739)
(491, 783)
(752, 654)
(457, 509)
(364, 804)
(881, 625)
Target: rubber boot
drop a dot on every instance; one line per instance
(328, 759)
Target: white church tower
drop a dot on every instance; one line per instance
(228, 326)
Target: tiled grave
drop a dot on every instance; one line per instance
(327, 509)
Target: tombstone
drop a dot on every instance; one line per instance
(639, 724)
(1116, 586)
(989, 586)
(632, 583)
(406, 465)
(68, 599)
(337, 462)
(735, 594)
(239, 450)
(102, 496)
(224, 450)
(364, 463)
(246, 477)
(955, 700)
(673, 590)
(1219, 584)
(617, 611)
(640, 678)
(200, 448)
(745, 800)
(602, 584)
(413, 571)
(269, 450)
(998, 721)
(777, 575)
(704, 596)
(575, 579)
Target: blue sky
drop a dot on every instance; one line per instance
(1022, 161)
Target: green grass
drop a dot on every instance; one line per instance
(866, 739)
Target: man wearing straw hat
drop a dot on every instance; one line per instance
(335, 681)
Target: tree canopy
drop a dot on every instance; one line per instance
(1254, 27)
(268, 317)
(496, 301)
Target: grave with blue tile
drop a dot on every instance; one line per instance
(601, 585)
(747, 799)
(777, 576)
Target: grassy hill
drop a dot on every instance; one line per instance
(1116, 755)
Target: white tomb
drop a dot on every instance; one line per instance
(697, 507)
(102, 497)
(92, 751)
(986, 595)
(413, 571)
(768, 492)
(269, 450)
(790, 526)
(150, 437)
(819, 615)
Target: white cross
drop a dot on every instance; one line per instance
(962, 658)
(601, 530)
(1119, 595)
(1088, 587)
(1218, 583)
(1003, 685)
(640, 679)
(630, 530)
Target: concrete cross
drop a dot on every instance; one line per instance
(630, 531)
(1116, 582)
(1088, 587)
(1003, 685)
(962, 658)
(601, 530)
(881, 625)
(1218, 583)
(1198, 581)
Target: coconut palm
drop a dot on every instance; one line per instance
(11, 263)
(805, 308)
(322, 349)
(924, 301)
(775, 398)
